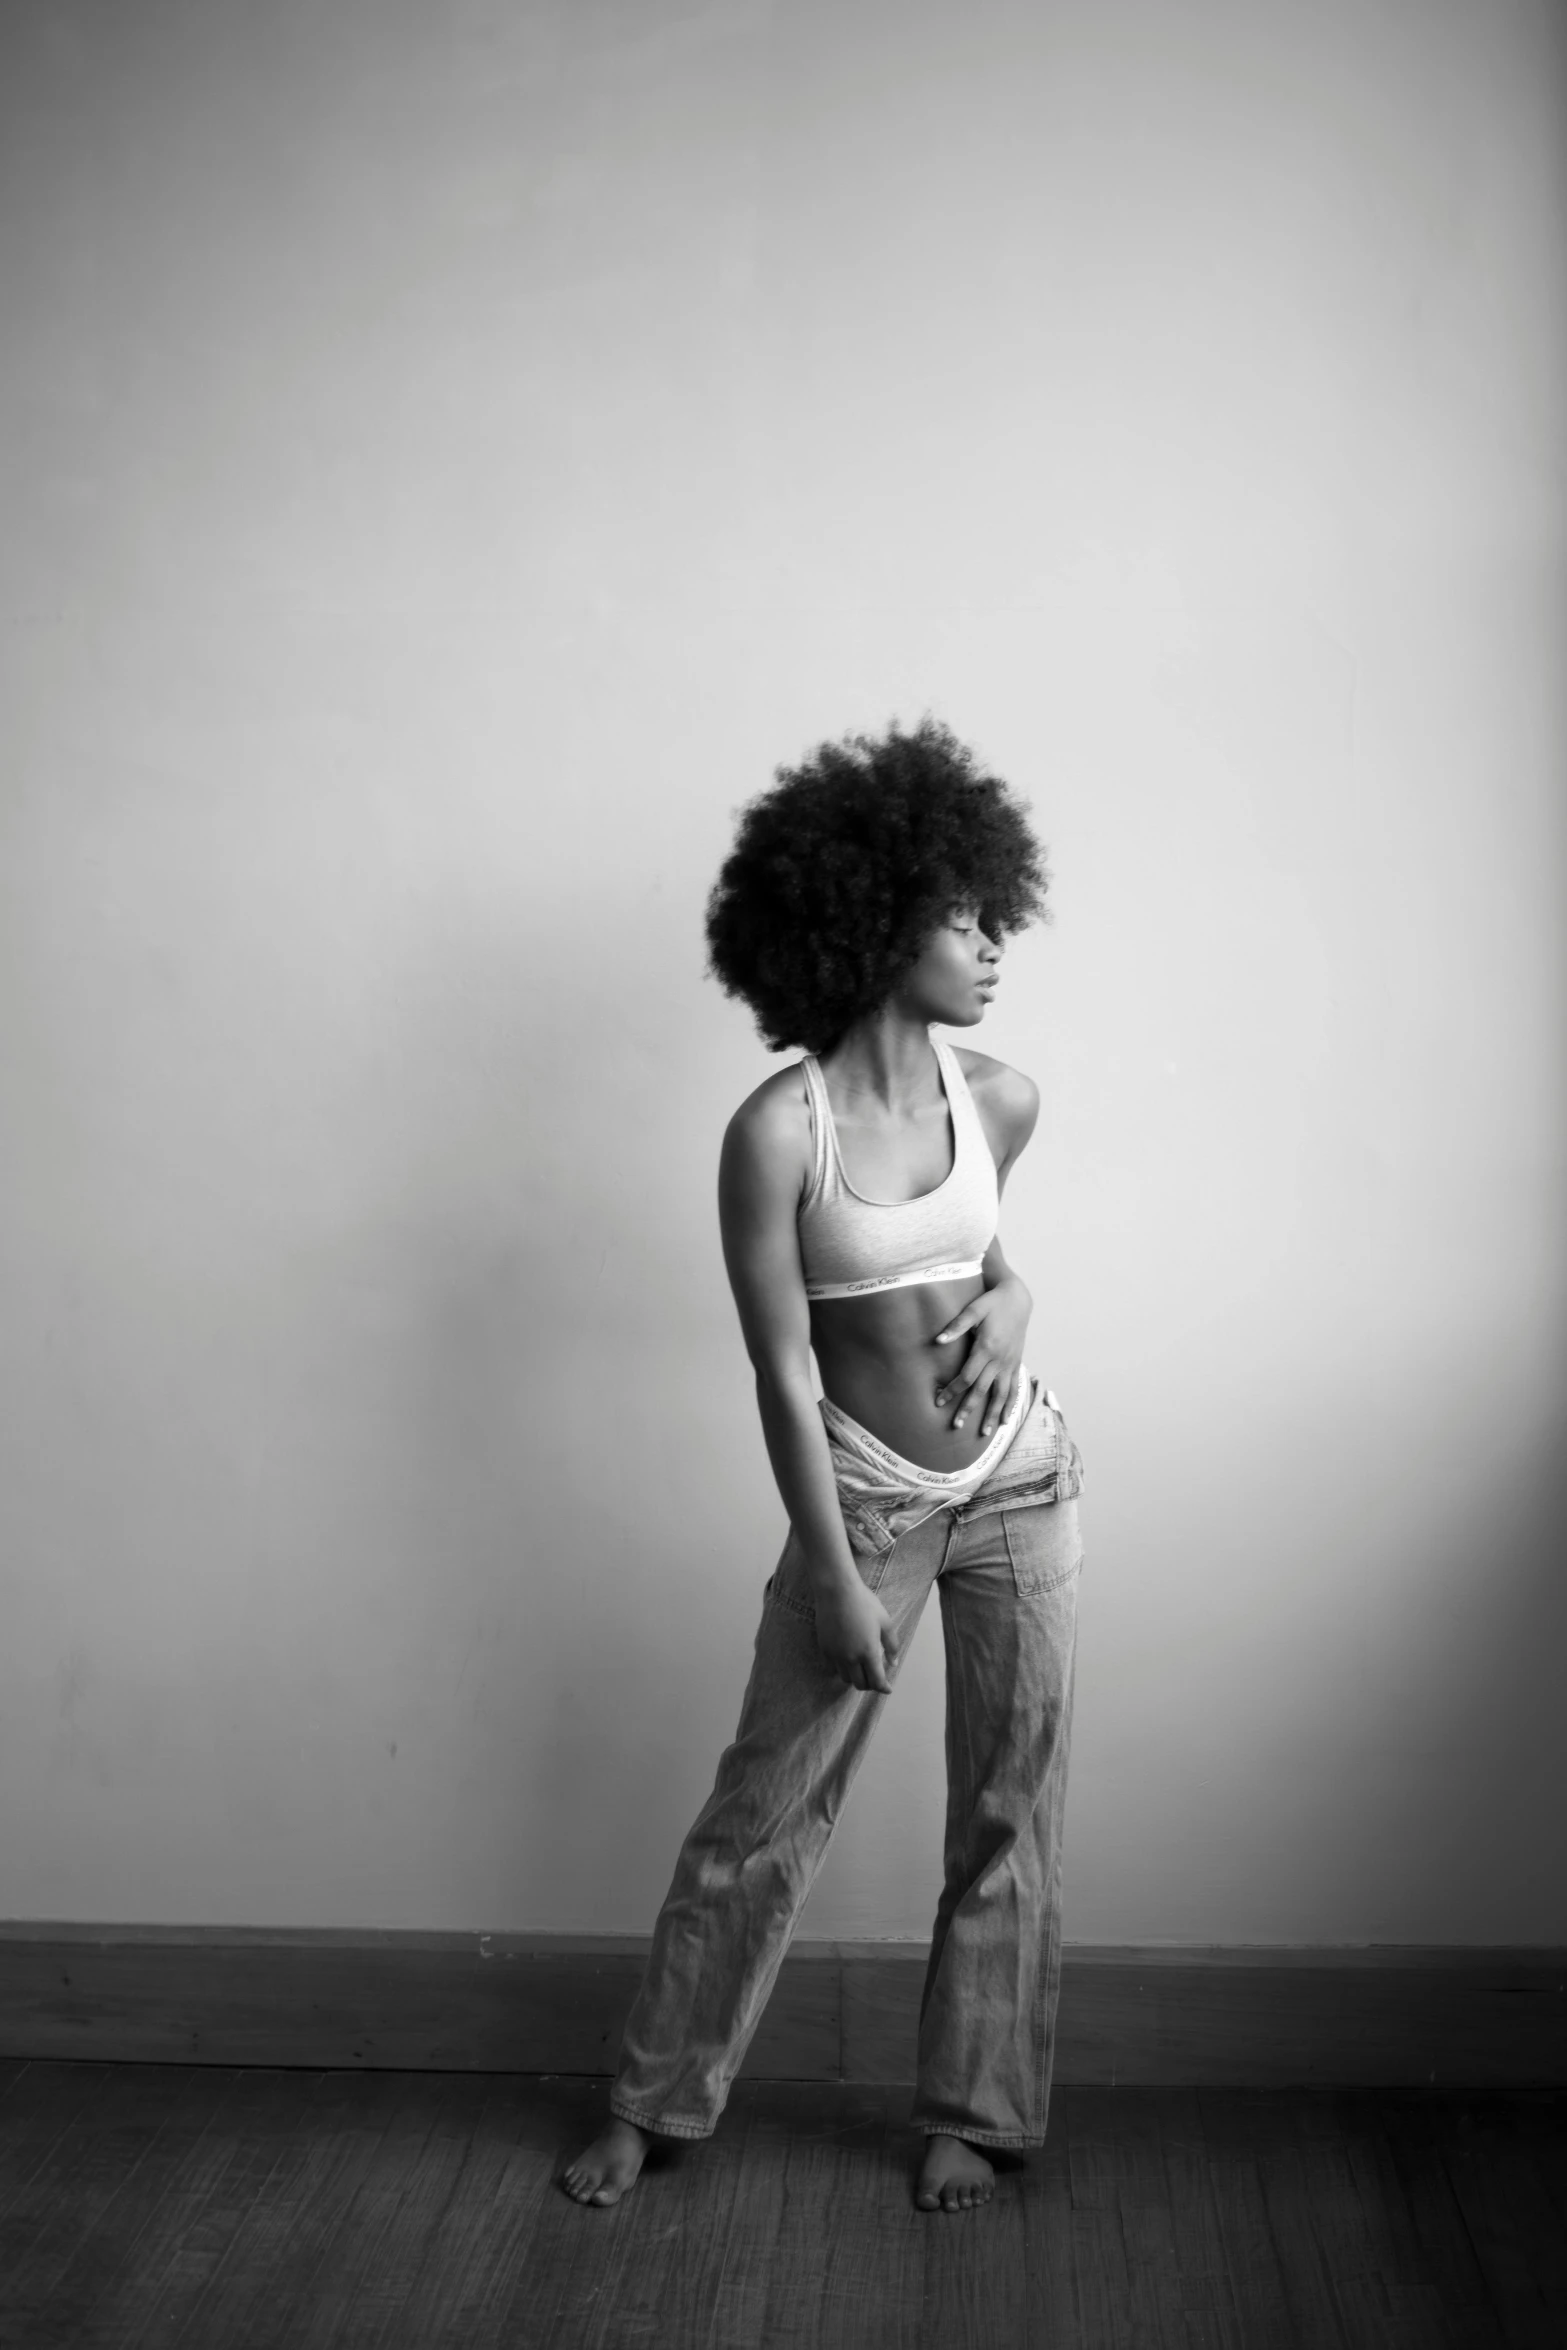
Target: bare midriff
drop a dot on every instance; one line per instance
(878, 1363)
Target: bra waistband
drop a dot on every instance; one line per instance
(921, 1273)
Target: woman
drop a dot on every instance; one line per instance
(866, 899)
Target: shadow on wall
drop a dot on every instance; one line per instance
(1493, 1718)
(1336, 1719)
(1442, 1818)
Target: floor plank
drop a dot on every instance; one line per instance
(583, 2276)
(149, 2207)
(1424, 2314)
(1350, 2252)
(851, 2249)
(1130, 2126)
(1427, 2314)
(549, 2281)
(355, 2282)
(118, 2258)
(260, 2276)
(1257, 2277)
(1513, 2226)
(106, 2178)
(665, 2249)
(1210, 2319)
(1108, 2294)
(40, 2107)
(70, 2187)
(373, 2316)
(1279, 2138)
(475, 2239)
(1050, 2278)
(976, 2269)
(1440, 2248)
(146, 2299)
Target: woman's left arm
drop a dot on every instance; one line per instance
(986, 1379)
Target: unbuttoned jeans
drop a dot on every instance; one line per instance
(1006, 1565)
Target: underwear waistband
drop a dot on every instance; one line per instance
(872, 1471)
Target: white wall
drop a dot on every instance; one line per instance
(447, 457)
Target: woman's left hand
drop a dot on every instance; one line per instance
(986, 1381)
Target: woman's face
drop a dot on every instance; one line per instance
(956, 974)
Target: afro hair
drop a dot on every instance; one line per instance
(840, 873)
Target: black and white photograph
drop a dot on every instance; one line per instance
(783, 1174)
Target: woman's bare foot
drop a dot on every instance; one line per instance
(607, 2169)
(954, 2176)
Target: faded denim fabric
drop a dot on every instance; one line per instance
(1006, 1565)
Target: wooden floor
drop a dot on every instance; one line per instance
(153, 2204)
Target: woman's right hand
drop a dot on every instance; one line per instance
(854, 1633)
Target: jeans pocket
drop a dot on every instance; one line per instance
(871, 1545)
(870, 1540)
(1044, 1546)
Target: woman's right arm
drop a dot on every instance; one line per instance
(760, 1175)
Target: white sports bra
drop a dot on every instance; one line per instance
(851, 1245)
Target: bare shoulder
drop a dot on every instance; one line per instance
(1006, 1098)
(772, 1127)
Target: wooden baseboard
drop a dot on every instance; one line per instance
(842, 2011)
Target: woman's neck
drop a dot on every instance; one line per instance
(888, 1058)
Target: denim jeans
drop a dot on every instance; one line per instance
(1005, 1563)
